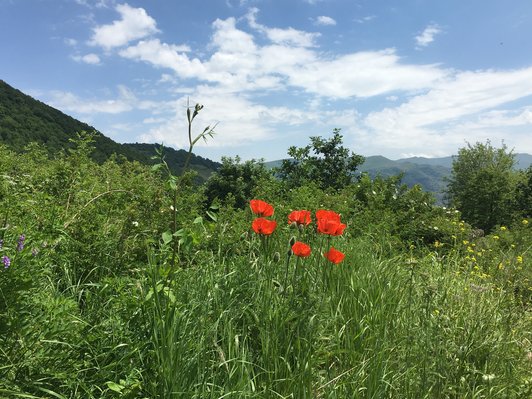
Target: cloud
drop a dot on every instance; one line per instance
(90, 58)
(325, 21)
(241, 120)
(461, 106)
(288, 36)
(365, 19)
(134, 24)
(427, 36)
(238, 63)
(70, 42)
(125, 101)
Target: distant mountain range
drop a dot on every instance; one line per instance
(24, 119)
(429, 173)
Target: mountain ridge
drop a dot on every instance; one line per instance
(24, 119)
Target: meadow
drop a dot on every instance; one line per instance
(123, 281)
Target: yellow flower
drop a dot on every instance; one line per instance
(465, 242)
(519, 259)
(503, 228)
(525, 222)
(496, 237)
(501, 266)
(437, 244)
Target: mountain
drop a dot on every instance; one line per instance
(24, 119)
(429, 173)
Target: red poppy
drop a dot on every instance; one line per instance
(324, 214)
(329, 223)
(299, 217)
(261, 208)
(300, 249)
(334, 256)
(331, 227)
(264, 226)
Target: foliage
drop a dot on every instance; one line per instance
(482, 185)
(524, 194)
(92, 306)
(236, 181)
(329, 166)
(24, 120)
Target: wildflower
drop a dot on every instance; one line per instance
(329, 223)
(496, 237)
(503, 228)
(261, 208)
(519, 259)
(334, 256)
(6, 261)
(524, 222)
(437, 244)
(299, 217)
(135, 223)
(264, 226)
(300, 249)
(20, 244)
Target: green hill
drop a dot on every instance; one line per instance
(24, 120)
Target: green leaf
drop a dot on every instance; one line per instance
(113, 386)
(167, 237)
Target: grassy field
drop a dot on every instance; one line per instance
(112, 288)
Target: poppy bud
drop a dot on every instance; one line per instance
(292, 241)
(276, 257)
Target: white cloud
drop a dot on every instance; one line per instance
(288, 36)
(70, 42)
(365, 19)
(239, 64)
(165, 56)
(325, 21)
(134, 24)
(462, 107)
(90, 58)
(241, 121)
(427, 36)
(125, 101)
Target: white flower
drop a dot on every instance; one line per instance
(135, 223)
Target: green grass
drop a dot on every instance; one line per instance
(93, 306)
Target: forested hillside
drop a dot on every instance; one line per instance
(24, 120)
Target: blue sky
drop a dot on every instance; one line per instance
(400, 78)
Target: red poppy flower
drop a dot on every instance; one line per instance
(261, 208)
(324, 214)
(331, 227)
(264, 226)
(299, 217)
(329, 223)
(334, 256)
(300, 249)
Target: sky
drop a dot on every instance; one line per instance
(399, 78)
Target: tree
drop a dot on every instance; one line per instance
(329, 166)
(236, 179)
(524, 194)
(482, 185)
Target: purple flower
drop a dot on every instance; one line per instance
(20, 245)
(6, 261)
